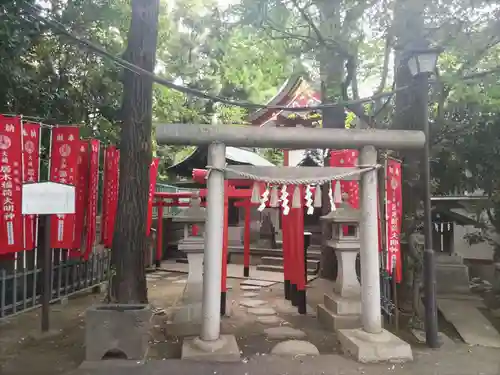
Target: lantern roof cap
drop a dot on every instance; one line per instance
(344, 213)
(193, 214)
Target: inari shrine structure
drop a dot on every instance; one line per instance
(277, 185)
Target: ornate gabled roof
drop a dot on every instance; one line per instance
(296, 92)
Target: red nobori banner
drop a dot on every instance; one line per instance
(105, 194)
(112, 160)
(153, 171)
(63, 169)
(31, 174)
(11, 233)
(348, 159)
(81, 195)
(92, 201)
(393, 217)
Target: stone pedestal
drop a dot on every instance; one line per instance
(190, 310)
(342, 309)
(374, 347)
(117, 331)
(225, 349)
(452, 275)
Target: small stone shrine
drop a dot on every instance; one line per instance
(193, 246)
(342, 309)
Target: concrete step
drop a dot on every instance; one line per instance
(334, 322)
(278, 261)
(263, 267)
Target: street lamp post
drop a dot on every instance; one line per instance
(422, 63)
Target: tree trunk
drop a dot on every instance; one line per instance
(129, 241)
(408, 28)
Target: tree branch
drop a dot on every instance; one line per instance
(340, 49)
(385, 66)
(482, 74)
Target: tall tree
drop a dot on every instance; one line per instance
(129, 241)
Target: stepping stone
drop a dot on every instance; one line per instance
(170, 278)
(295, 347)
(282, 333)
(269, 319)
(250, 294)
(258, 282)
(180, 282)
(261, 311)
(250, 287)
(252, 302)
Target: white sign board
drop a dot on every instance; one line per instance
(45, 198)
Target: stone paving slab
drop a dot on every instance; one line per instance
(470, 323)
(271, 320)
(283, 333)
(252, 302)
(295, 348)
(250, 287)
(261, 311)
(263, 283)
(250, 294)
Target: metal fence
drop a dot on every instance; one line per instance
(21, 287)
(21, 277)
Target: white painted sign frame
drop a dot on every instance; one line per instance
(48, 198)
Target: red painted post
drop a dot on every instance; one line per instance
(292, 225)
(301, 276)
(286, 241)
(224, 251)
(286, 254)
(159, 235)
(246, 240)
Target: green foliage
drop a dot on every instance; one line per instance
(246, 52)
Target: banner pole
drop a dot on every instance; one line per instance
(46, 270)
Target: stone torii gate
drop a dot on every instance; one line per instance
(371, 342)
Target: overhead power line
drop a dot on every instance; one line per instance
(99, 50)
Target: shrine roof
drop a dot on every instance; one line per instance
(234, 156)
(295, 92)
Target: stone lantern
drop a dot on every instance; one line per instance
(193, 245)
(342, 309)
(193, 215)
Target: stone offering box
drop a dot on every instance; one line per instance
(117, 331)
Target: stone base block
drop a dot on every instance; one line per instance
(334, 322)
(223, 350)
(342, 306)
(368, 347)
(117, 331)
(452, 278)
